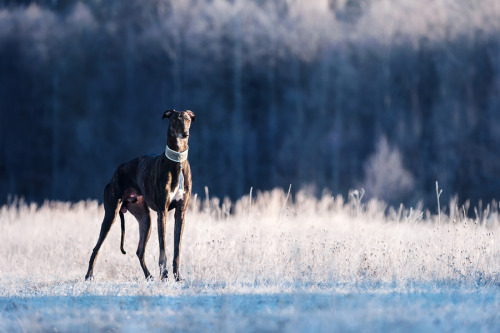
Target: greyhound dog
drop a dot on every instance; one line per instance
(161, 183)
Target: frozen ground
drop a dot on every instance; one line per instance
(272, 265)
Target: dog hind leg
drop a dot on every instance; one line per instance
(143, 216)
(111, 208)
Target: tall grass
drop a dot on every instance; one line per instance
(264, 241)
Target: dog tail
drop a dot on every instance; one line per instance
(122, 218)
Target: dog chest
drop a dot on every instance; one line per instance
(178, 193)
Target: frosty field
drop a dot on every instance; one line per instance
(272, 264)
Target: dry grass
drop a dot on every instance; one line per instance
(268, 243)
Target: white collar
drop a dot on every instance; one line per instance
(176, 156)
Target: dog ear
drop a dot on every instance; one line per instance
(167, 114)
(191, 114)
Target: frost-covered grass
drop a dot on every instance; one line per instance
(272, 263)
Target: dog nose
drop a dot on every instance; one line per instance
(185, 134)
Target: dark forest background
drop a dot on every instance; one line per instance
(388, 95)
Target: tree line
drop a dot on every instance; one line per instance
(284, 92)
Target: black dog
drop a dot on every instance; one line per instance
(162, 183)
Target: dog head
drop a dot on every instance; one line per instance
(180, 122)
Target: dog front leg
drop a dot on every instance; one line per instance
(178, 229)
(162, 261)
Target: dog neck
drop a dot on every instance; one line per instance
(176, 149)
